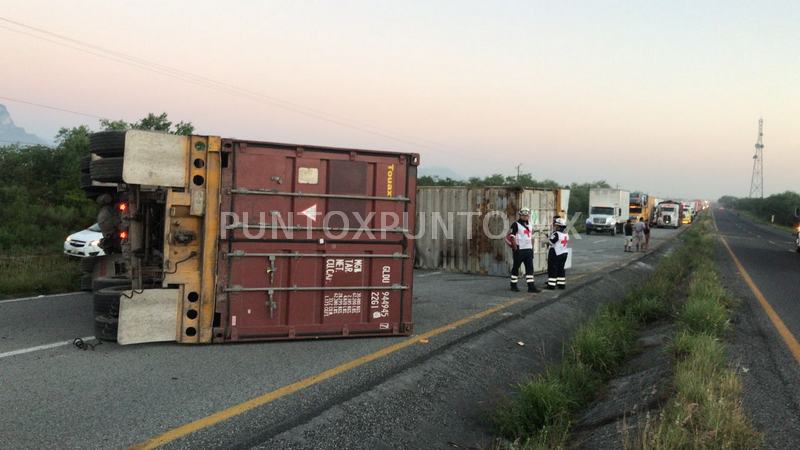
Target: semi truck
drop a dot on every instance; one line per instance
(608, 210)
(668, 214)
(641, 206)
(227, 240)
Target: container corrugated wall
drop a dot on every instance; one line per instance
(310, 248)
(461, 229)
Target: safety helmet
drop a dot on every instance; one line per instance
(525, 211)
(559, 222)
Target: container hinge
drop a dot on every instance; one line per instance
(271, 269)
(271, 305)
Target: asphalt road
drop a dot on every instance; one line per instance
(770, 373)
(57, 396)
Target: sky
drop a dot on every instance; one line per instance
(661, 97)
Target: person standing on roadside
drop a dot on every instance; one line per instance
(646, 235)
(557, 255)
(638, 234)
(628, 228)
(521, 239)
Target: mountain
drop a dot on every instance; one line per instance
(12, 134)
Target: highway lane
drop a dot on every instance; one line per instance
(117, 396)
(767, 367)
(769, 257)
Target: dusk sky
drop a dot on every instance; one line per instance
(662, 97)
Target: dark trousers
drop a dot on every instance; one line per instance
(556, 275)
(524, 256)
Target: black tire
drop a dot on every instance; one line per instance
(106, 301)
(85, 161)
(86, 282)
(86, 180)
(105, 327)
(87, 265)
(107, 143)
(588, 231)
(109, 282)
(95, 191)
(614, 230)
(107, 170)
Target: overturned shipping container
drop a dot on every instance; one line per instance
(241, 240)
(461, 229)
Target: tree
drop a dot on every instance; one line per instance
(151, 122)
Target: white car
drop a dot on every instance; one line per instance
(84, 244)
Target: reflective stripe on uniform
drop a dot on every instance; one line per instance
(551, 281)
(514, 278)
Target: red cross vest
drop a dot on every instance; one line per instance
(559, 242)
(524, 235)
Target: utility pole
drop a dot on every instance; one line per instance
(518, 167)
(757, 180)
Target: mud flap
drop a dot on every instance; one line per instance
(148, 316)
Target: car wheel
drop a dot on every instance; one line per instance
(107, 143)
(105, 327)
(107, 170)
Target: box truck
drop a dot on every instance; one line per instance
(233, 240)
(608, 210)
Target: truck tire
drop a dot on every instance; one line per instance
(105, 327)
(588, 231)
(614, 230)
(107, 143)
(87, 265)
(93, 192)
(86, 282)
(107, 170)
(106, 301)
(86, 180)
(101, 283)
(85, 161)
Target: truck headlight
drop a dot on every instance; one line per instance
(94, 243)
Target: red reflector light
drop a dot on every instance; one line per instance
(123, 235)
(122, 207)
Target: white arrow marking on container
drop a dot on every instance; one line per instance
(311, 213)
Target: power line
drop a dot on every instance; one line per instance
(204, 81)
(54, 108)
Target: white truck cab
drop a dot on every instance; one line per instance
(608, 210)
(668, 214)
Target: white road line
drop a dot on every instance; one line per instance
(428, 274)
(39, 297)
(601, 240)
(41, 347)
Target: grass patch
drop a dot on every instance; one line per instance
(540, 415)
(706, 410)
(38, 274)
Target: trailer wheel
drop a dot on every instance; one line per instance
(107, 170)
(85, 161)
(86, 180)
(106, 301)
(105, 327)
(86, 282)
(101, 283)
(107, 143)
(87, 265)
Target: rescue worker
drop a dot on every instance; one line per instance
(557, 255)
(521, 239)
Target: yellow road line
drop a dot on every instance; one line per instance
(213, 419)
(783, 331)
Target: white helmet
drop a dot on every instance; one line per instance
(525, 211)
(559, 222)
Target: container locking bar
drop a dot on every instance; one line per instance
(304, 194)
(272, 256)
(394, 287)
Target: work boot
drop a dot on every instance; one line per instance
(550, 287)
(561, 286)
(532, 288)
(514, 287)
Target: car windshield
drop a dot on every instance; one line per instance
(95, 228)
(668, 209)
(604, 210)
